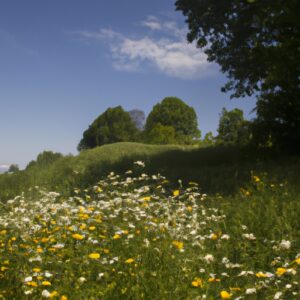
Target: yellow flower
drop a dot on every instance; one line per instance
(46, 283)
(212, 279)
(197, 282)
(99, 190)
(190, 208)
(214, 236)
(94, 255)
(116, 236)
(178, 245)
(3, 232)
(297, 261)
(37, 270)
(53, 294)
(148, 198)
(261, 275)
(77, 236)
(3, 268)
(176, 193)
(91, 228)
(256, 178)
(39, 250)
(225, 295)
(32, 283)
(280, 271)
(63, 297)
(235, 289)
(129, 261)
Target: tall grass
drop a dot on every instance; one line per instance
(217, 169)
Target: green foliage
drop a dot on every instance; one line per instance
(233, 128)
(173, 112)
(256, 43)
(161, 135)
(114, 125)
(209, 139)
(13, 168)
(44, 159)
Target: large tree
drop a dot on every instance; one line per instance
(256, 43)
(114, 125)
(233, 128)
(173, 112)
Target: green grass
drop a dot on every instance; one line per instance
(217, 169)
(155, 240)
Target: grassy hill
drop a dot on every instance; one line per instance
(216, 169)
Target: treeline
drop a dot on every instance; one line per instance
(171, 121)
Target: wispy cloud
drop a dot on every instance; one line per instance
(166, 51)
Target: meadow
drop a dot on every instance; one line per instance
(133, 221)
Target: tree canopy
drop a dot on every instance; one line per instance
(173, 112)
(256, 43)
(114, 125)
(233, 128)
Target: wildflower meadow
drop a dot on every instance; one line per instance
(140, 236)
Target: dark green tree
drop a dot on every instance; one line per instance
(233, 128)
(173, 112)
(13, 168)
(45, 159)
(114, 125)
(256, 43)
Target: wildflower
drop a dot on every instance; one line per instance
(280, 271)
(77, 236)
(139, 163)
(297, 261)
(277, 295)
(82, 279)
(284, 245)
(197, 282)
(213, 279)
(116, 236)
(46, 294)
(53, 294)
(175, 193)
(37, 270)
(263, 275)
(129, 261)
(213, 236)
(250, 291)
(249, 236)
(32, 283)
(225, 295)
(178, 245)
(209, 258)
(46, 283)
(255, 178)
(94, 255)
(63, 297)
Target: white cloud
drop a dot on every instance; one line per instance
(168, 52)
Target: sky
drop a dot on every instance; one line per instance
(64, 62)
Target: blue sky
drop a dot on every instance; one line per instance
(63, 62)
